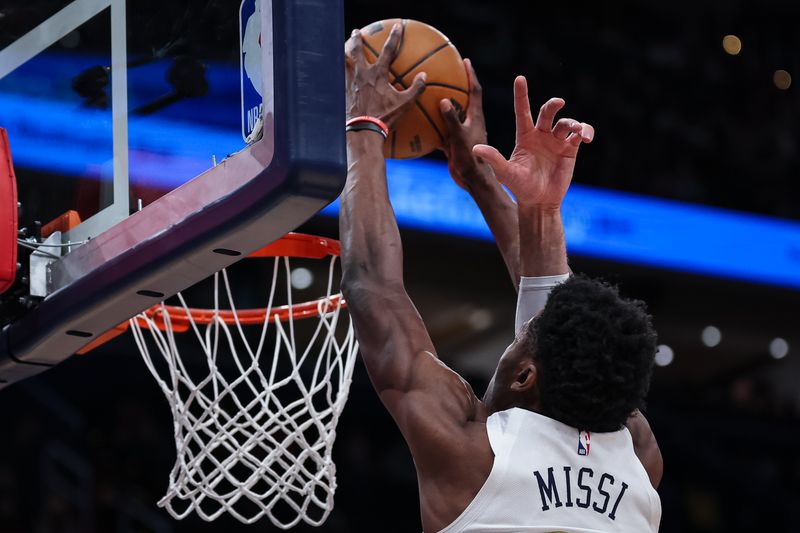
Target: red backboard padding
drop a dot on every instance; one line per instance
(8, 215)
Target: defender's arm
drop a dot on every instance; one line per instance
(475, 176)
(538, 174)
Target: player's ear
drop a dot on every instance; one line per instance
(525, 378)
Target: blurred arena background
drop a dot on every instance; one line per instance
(692, 102)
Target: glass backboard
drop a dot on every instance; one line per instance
(140, 117)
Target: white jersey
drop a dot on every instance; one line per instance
(549, 477)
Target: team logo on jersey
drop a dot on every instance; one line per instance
(583, 442)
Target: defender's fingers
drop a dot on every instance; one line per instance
(475, 90)
(451, 119)
(584, 135)
(354, 49)
(547, 113)
(564, 127)
(587, 132)
(417, 87)
(390, 48)
(494, 158)
(522, 106)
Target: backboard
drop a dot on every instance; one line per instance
(133, 115)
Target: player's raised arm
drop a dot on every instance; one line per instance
(372, 253)
(417, 389)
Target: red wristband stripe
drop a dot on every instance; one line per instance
(364, 118)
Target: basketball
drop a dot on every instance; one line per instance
(423, 48)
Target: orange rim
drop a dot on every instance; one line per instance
(181, 322)
(299, 245)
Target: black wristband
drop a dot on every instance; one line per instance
(361, 126)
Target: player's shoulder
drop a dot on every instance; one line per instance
(440, 414)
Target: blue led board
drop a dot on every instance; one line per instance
(166, 151)
(617, 226)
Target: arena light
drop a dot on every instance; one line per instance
(711, 336)
(782, 79)
(778, 348)
(480, 319)
(664, 355)
(301, 278)
(732, 45)
(616, 226)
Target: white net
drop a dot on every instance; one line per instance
(253, 431)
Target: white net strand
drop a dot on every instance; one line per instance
(252, 443)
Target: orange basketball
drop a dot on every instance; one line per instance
(423, 48)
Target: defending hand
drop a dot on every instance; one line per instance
(540, 169)
(368, 89)
(461, 137)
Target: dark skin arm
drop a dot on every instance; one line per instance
(646, 447)
(538, 173)
(475, 176)
(435, 409)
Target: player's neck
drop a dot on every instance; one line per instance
(528, 403)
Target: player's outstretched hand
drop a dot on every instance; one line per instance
(368, 89)
(540, 168)
(461, 137)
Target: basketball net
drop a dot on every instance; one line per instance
(253, 431)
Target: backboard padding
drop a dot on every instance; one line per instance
(8, 215)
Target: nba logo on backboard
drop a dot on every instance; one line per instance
(583, 442)
(250, 43)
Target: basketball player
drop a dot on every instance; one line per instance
(547, 448)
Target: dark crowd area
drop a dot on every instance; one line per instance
(676, 115)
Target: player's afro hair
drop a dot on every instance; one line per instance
(594, 354)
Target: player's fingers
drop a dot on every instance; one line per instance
(564, 127)
(522, 106)
(348, 68)
(417, 87)
(547, 113)
(390, 48)
(354, 49)
(451, 119)
(494, 158)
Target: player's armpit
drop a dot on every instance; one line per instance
(432, 390)
(437, 412)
